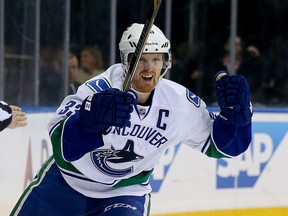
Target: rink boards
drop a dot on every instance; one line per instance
(185, 182)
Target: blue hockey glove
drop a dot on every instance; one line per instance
(110, 107)
(233, 96)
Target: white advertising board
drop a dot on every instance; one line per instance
(183, 181)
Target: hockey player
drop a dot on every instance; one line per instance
(106, 142)
(11, 116)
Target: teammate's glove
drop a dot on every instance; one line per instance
(233, 96)
(110, 107)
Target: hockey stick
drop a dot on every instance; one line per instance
(140, 46)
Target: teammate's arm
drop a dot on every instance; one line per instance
(5, 115)
(11, 116)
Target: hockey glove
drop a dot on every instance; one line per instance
(233, 96)
(110, 107)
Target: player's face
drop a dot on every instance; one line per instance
(148, 72)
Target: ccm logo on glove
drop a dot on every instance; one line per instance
(88, 103)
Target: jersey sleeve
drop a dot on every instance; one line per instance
(5, 115)
(208, 134)
(199, 126)
(230, 140)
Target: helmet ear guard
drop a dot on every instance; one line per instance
(156, 43)
(167, 63)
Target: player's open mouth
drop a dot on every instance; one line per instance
(147, 77)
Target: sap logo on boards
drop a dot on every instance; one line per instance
(245, 170)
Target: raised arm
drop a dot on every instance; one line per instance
(232, 127)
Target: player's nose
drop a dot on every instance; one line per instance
(149, 66)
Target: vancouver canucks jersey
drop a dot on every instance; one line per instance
(124, 164)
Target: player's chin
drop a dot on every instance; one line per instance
(147, 88)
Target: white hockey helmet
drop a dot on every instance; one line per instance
(156, 43)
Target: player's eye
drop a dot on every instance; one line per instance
(142, 62)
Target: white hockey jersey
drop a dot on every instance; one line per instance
(125, 162)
